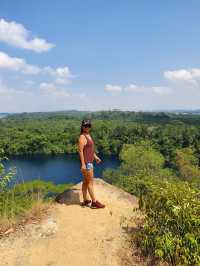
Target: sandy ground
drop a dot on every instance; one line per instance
(75, 236)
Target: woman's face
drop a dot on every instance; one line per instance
(86, 129)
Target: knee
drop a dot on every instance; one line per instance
(88, 181)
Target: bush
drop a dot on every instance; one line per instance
(140, 158)
(172, 224)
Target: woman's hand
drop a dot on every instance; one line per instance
(83, 167)
(98, 160)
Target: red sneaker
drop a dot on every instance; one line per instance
(97, 205)
(86, 203)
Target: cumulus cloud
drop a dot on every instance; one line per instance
(184, 75)
(51, 90)
(17, 35)
(133, 88)
(45, 97)
(113, 88)
(61, 75)
(17, 64)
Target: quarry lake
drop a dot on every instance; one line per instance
(58, 168)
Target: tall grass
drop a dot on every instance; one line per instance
(25, 200)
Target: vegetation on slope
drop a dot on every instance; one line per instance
(24, 201)
(170, 200)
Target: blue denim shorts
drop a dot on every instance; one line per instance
(89, 166)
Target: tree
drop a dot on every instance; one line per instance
(140, 158)
(187, 164)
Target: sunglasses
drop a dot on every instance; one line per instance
(89, 126)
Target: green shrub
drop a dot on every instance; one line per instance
(172, 224)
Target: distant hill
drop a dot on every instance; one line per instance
(153, 117)
(3, 114)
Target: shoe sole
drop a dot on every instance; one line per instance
(87, 205)
(97, 207)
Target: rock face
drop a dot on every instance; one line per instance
(74, 235)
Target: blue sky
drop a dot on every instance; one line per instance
(99, 55)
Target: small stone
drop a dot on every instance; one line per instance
(49, 228)
(109, 239)
(10, 230)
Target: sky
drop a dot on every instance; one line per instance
(99, 55)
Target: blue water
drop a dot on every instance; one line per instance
(59, 169)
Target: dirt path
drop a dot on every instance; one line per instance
(76, 236)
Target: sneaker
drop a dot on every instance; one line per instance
(85, 203)
(97, 205)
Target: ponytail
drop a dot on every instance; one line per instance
(81, 130)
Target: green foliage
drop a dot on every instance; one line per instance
(171, 229)
(21, 197)
(57, 132)
(5, 177)
(172, 225)
(140, 158)
(187, 165)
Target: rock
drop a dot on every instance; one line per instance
(70, 196)
(48, 228)
(10, 230)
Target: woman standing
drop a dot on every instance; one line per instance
(87, 155)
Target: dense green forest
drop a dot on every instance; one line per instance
(57, 132)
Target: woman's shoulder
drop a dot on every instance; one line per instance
(81, 136)
(87, 137)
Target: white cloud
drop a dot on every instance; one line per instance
(161, 90)
(132, 88)
(45, 97)
(17, 64)
(191, 76)
(51, 90)
(61, 75)
(113, 88)
(17, 35)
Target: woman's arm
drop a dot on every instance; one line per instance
(81, 144)
(98, 160)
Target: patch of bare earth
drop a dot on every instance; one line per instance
(77, 236)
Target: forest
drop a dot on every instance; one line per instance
(57, 132)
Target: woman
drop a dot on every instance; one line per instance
(87, 155)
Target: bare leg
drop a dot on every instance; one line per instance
(85, 185)
(84, 190)
(90, 184)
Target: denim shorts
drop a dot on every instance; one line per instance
(89, 166)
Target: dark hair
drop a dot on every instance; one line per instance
(84, 123)
(81, 130)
